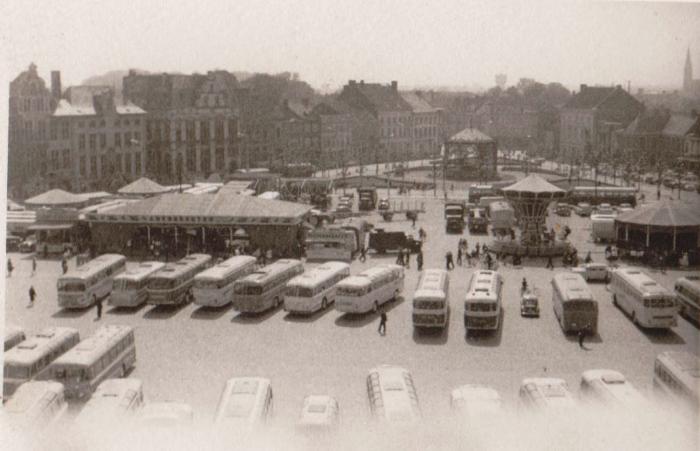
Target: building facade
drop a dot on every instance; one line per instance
(427, 126)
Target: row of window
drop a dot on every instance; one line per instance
(28, 104)
(102, 123)
(110, 357)
(129, 140)
(127, 162)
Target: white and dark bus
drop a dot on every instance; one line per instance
(315, 290)
(677, 379)
(213, 287)
(172, 284)
(392, 395)
(573, 303)
(688, 293)
(83, 286)
(482, 303)
(431, 300)
(130, 289)
(370, 289)
(265, 287)
(646, 301)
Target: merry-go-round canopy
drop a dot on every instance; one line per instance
(57, 198)
(533, 186)
(663, 214)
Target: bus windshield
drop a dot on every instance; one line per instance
(580, 306)
(208, 284)
(352, 291)
(16, 372)
(302, 292)
(123, 285)
(482, 307)
(658, 303)
(428, 304)
(71, 285)
(242, 288)
(161, 283)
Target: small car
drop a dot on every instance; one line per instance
(583, 209)
(12, 243)
(605, 209)
(529, 305)
(28, 245)
(383, 204)
(344, 207)
(563, 210)
(593, 272)
(319, 413)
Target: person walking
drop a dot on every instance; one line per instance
(413, 219)
(407, 258)
(363, 254)
(477, 250)
(449, 263)
(523, 287)
(98, 305)
(550, 263)
(419, 260)
(588, 258)
(64, 265)
(581, 336)
(399, 258)
(32, 296)
(33, 265)
(489, 261)
(10, 267)
(382, 324)
(459, 255)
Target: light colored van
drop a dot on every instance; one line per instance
(245, 402)
(113, 400)
(36, 404)
(392, 395)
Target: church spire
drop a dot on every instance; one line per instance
(688, 72)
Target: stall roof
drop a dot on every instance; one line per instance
(56, 197)
(664, 214)
(533, 184)
(471, 136)
(144, 186)
(52, 226)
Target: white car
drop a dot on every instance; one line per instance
(319, 413)
(593, 272)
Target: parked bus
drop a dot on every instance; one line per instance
(316, 289)
(611, 388)
(573, 303)
(213, 287)
(392, 395)
(477, 191)
(110, 352)
(264, 288)
(473, 401)
(431, 300)
(368, 198)
(371, 288)
(30, 358)
(130, 289)
(677, 378)
(113, 400)
(688, 293)
(13, 336)
(36, 404)
(482, 303)
(244, 403)
(83, 286)
(545, 393)
(330, 244)
(172, 284)
(646, 302)
(613, 195)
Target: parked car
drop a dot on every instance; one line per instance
(28, 245)
(12, 243)
(562, 210)
(529, 305)
(593, 272)
(605, 209)
(690, 186)
(383, 204)
(583, 209)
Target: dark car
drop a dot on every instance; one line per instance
(529, 305)
(12, 243)
(28, 245)
(382, 241)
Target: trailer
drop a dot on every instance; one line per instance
(502, 216)
(368, 198)
(603, 228)
(381, 241)
(454, 216)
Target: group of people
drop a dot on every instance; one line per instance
(464, 254)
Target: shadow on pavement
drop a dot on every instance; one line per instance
(72, 313)
(573, 337)
(254, 318)
(432, 336)
(362, 319)
(486, 338)
(164, 311)
(125, 310)
(662, 336)
(304, 318)
(204, 312)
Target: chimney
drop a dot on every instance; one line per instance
(583, 88)
(351, 82)
(362, 82)
(394, 85)
(56, 84)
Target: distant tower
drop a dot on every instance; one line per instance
(688, 74)
(501, 80)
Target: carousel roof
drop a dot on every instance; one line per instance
(56, 197)
(664, 214)
(143, 185)
(533, 186)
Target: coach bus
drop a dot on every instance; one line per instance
(83, 286)
(611, 388)
(213, 287)
(13, 336)
(110, 352)
(371, 288)
(172, 284)
(36, 404)
(244, 403)
(545, 393)
(431, 300)
(113, 400)
(30, 358)
(688, 294)
(646, 302)
(264, 288)
(482, 303)
(316, 289)
(392, 395)
(613, 195)
(573, 303)
(677, 378)
(130, 289)
(477, 191)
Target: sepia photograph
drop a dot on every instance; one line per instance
(350, 225)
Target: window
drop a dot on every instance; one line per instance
(127, 139)
(127, 163)
(137, 137)
(205, 160)
(219, 131)
(93, 141)
(82, 165)
(220, 158)
(118, 162)
(66, 158)
(189, 131)
(103, 165)
(65, 130)
(93, 165)
(103, 140)
(204, 132)
(53, 133)
(191, 159)
(137, 163)
(118, 139)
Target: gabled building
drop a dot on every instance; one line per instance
(337, 132)
(582, 118)
(427, 126)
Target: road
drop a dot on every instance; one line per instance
(188, 353)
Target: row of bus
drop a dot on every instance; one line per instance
(247, 402)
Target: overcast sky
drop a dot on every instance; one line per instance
(418, 43)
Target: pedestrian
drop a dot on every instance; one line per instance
(468, 256)
(363, 254)
(33, 264)
(10, 267)
(448, 261)
(399, 258)
(477, 250)
(459, 255)
(407, 256)
(581, 336)
(523, 287)
(46, 251)
(98, 305)
(32, 296)
(550, 263)
(413, 218)
(588, 258)
(489, 261)
(382, 323)
(419, 260)
(64, 265)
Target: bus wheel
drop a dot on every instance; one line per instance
(375, 307)
(324, 304)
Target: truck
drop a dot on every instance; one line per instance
(382, 241)
(603, 228)
(368, 198)
(454, 216)
(477, 221)
(502, 216)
